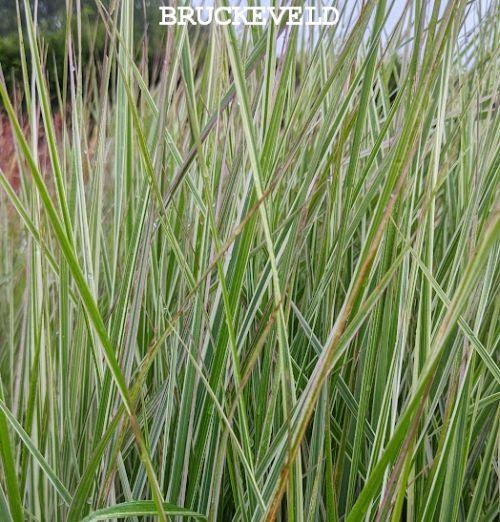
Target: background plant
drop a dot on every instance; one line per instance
(261, 286)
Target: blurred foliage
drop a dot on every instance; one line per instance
(51, 16)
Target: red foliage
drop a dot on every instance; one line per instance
(8, 160)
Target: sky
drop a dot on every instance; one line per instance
(397, 7)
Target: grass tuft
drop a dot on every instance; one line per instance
(256, 279)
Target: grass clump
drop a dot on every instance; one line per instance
(261, 287)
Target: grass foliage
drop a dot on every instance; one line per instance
(262, 287)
